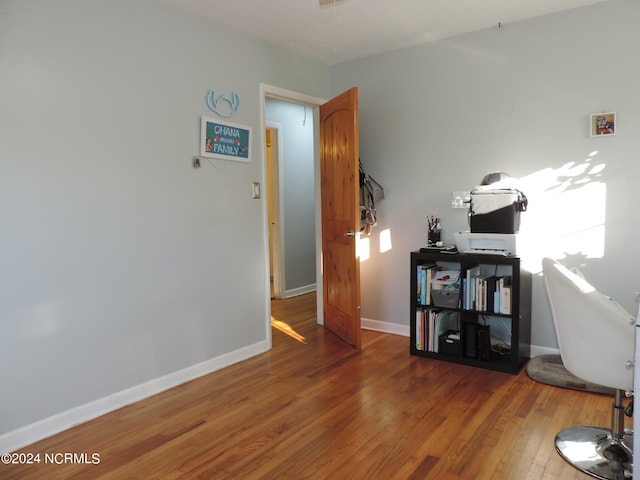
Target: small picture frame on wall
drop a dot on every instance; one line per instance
(225, 140)
(603, 124)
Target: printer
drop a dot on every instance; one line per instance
(490, 243)
(494, 217)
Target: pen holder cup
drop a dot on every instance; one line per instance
(433, 238)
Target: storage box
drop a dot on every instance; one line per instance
(496, 210)
(445, 298)
(449, 343)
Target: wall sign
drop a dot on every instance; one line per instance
(225, 140)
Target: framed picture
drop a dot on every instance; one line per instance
(225, 140)
(603, 124)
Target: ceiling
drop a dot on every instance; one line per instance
(344, 30)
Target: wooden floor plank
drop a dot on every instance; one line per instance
(314, 408)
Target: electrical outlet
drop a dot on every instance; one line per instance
(196, 162)
(460, 199)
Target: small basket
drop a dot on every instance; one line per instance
(446, 298)
(447, 345)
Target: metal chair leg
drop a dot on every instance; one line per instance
(603, 453)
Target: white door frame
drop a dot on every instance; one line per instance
(270, 91)
(277, 245)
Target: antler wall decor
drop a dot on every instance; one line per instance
(222, 105)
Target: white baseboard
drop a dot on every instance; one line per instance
(294, 292)
(385, 327)
(537, 350)
(47, 427)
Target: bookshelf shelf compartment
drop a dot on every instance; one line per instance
(473, 309)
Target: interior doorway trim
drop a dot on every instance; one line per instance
(275, 215)
(270, 91)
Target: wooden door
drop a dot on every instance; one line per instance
(276, 272)
(340, 184)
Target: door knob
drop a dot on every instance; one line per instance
(350, 234)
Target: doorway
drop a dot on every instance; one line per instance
(312, 110)
(291, 196)
(336, 206)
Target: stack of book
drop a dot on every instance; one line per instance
(425, 277)
(486, 293)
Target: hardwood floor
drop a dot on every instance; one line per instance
(314, 408)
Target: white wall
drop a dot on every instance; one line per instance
(120, 262)
(297, 191)
(436, 118)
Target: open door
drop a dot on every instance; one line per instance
(340, 194)
(276, 263)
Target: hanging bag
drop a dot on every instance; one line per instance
(370, 192)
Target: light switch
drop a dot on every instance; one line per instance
(256, 189)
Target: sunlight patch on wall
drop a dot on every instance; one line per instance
(566, 214)
(385, 240)
(363, 248)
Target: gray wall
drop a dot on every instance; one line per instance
(120, 262)
(297, 191)
(436, 118)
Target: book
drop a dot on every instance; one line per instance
(427, 272)
(419, 330)
(431, 330)
(472, 273)
(505, 295)
(490, 290)
(464, 294)
(422, 273)
(478, 304)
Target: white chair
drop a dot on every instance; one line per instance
(597, 340)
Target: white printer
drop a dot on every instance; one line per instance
(489, 243)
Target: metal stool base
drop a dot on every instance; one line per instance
(595, 452)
